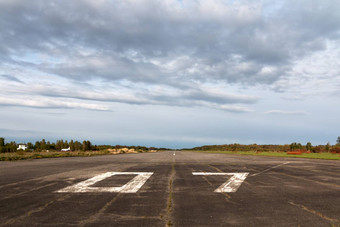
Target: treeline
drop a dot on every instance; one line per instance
(276, 148)
(242, 147)
(44, 145)
(137, 148)
(7, 147)
(86, 145)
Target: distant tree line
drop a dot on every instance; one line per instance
(137, 148)
(86, 145)
(242, 147)
(62, 144)
(7, 147)
(278, 148)
(44, 145)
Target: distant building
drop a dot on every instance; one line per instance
(66, 149)
(22, 147)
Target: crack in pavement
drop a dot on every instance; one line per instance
(334, 221)
(25, 192)
(36, 210)
(95, 217)
(314, 181)
(168, 217)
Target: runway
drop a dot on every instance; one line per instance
(170, 189)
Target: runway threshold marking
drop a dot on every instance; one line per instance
(131, 187)
(231, 185)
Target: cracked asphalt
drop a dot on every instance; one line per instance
(276, 192)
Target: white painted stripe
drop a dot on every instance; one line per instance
(211, 174)
(131, 187)
(269, 169)
(231, 185)
(136, 183)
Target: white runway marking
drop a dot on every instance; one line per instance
(131, 187)
(269, 169)
(231, 185)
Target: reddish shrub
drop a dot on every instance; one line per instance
(295, 152)
(335, 150)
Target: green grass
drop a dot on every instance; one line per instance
(21, 155)
(328, 156)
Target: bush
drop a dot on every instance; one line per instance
(318, 149)
(335, 150)
(20, 152)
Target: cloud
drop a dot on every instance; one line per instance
(44, 94)
(48, 103)
(234, 108)
(220, 41)
(285, 112)
(165, 57)
(11, 78)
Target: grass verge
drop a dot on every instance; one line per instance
(21, 155)
(328, 156)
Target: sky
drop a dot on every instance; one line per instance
(170, 73)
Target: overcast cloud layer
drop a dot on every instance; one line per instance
(169, 72)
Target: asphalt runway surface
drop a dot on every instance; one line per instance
(163, 189)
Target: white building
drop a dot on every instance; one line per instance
(22, 147)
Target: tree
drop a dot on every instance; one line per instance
(48, 145)
(30, 146)
(65, 144)
(295, 146)
(86, 146)
(309, 146)
(338, 141)
(37, 146)
(43, 144)
(327, 147)
(77, 146)
(317, 149)
(11, 147)
(71, 144)
(83, 147)
(59, 145)
(2, 144)
(52, 146)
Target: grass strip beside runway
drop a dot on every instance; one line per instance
(324, 155)
(21, 155)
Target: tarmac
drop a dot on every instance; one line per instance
(170, 188)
